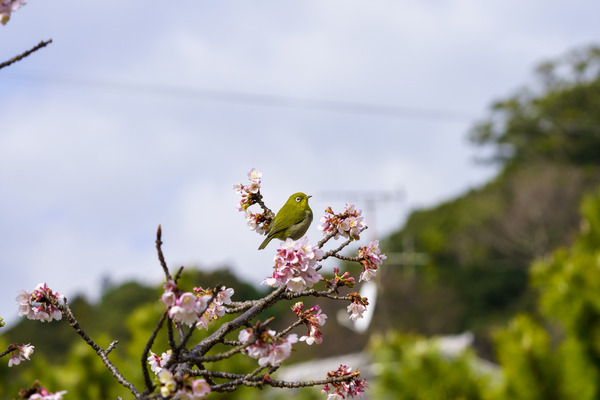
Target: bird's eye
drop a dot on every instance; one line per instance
(298, 199)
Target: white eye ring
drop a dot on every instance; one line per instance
(298, 199)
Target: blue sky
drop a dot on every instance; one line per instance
(114, 128)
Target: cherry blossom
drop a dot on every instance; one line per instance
(358, 306)
(37, 305)
(21, 353)
(370, 257)
(157, 363)
(352, 387)
(248, 192)
(295, 264)
(167, 382)
(312, 320)
(216, 308)
(38, 392)
(348, 224)
(186, 307)
(268, 348)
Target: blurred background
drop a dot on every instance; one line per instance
(467, 132)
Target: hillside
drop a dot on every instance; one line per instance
(480, 245)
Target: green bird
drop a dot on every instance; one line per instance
(292, 221)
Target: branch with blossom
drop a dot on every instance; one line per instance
(195, 331)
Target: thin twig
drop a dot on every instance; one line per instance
(66, 311)
(144, 360)
(314, 293)
(25, 54)
(326, 239)
(10, 349)
(227, 354)
(111, 346)
(161, 258)
(289, 328)
(178, 274)
(340, 248)
(262, 380)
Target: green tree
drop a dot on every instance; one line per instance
(557, 121)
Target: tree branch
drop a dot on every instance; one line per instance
(66, 311)
(25, 54)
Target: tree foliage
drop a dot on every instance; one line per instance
(556, 121)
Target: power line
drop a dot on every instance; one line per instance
(254, 99)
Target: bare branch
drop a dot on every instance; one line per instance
(111, 346)
(25, 54)
(144, 360)
(10, 349)
(66, 311)
(340, 248)
(161, 257)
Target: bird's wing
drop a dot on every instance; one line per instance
(292, 217)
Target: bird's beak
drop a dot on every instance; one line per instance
(308, 197)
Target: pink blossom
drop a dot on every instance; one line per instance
(295, 264)
(254, 175)
(42, 393)
(200, 388)
(157, 363)
(224, 296)
(216, 308)
(21, 353)
(279, 352)
(356, 310)
(188, 308)
(370, 257)
(348, 224)
(37, 306)
(169, 296)
(313, 321)
(352, 387)
(248, 192)
(197, 389)
(256, 222)
(268, 349)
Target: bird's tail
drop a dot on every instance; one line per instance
(265, 242)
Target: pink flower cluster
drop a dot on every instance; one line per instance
(313, 321)
(197, 308)
(370, 257)
(189, 389)
(19, 354)
(216, 308)
(9, 6)
(250, 195)
(295, 264)
(41, 393)
(348, 224)
(268, 349)
(158, 362)
(246, 191)
(36, 306)
(358, 306)
(353, 387)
